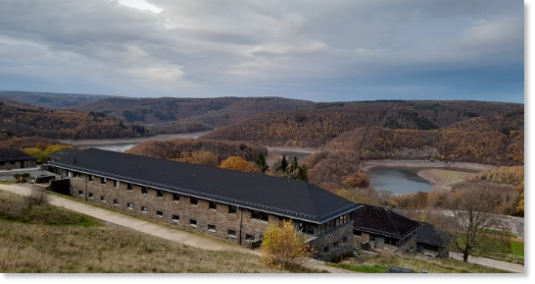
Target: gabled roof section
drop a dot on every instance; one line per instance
(15, 155)
(430, 235)
(62, 153)
(286, 197)
(382, 221)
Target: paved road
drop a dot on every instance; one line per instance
(154, 229)
(513, 267)
(34, 172)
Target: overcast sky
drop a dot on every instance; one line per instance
(333, 50)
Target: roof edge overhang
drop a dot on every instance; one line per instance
(379, 232)
(225, 200)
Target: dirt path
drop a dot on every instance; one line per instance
(154, 229)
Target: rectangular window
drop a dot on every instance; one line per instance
(232, 209)
(193, 223)
(259, 215)
(326, 249)
(211, 228)
(103, 198)
(115, 202)
(212, 205)
(231, 233)
(129, 186)
(90, 195)
(144, 209)
(193, 201)
(2, 163)
(103, 180)
(12, 162)
(159, 193)
(175, 218)
(91, 177)
(130, 206)
(357, 232)
(335, 244)
(116, 183)
(176, 197)
(249, 237)
(77, 174)
(344, 240)
(81, 193)
(143, 190)
(159, 213)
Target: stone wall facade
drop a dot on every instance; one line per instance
(335, 243)
(224, 221)
(11, 165)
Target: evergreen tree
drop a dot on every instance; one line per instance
(261, 163)
(303, 173)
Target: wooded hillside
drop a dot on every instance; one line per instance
(23, 120)
(319, 123)
(50, 100)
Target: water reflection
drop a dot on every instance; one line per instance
(398, 180)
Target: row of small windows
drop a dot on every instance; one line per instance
(3, 163)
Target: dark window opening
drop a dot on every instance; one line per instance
(159, 193)
(176, 197)
(129, 186)
(211, 228)
(249, 237)
(103, 180)
(103, 198)
(116, 183)
(344, 240)
(357, 232)
(307, 228)
(335, 244)
(130, 206)
(259, 215)
(2, 163)
(76, 174)
(193, 200)
(232, 209)
(81, 193)
(12, 162)
(143, 190)
(231, 233)
(326, 249)
(115, 202)
(212, 205)
(175, 218)
(91, 177)
(193, 222)
(90, 195)
(144, 209)
(159, 213)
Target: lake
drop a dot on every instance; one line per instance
(121, 145)
(398, 180)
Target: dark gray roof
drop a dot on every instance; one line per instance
(62, 153)
(15, 155)
(382, 221)
(430, 235)
(292, 198)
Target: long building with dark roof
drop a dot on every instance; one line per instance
(235, 206)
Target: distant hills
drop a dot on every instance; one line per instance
(50, 100)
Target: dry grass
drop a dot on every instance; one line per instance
(37, 248)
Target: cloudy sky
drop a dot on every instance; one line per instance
(314, 49)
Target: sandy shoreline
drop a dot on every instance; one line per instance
(439, 174)
(367, 165)
(121, 141)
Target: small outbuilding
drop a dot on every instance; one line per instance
(11, 159)
(431, 241)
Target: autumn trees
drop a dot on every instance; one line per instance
(238, 164)
(283, 245)
(291, 170)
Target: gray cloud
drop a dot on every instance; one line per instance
(321, 50)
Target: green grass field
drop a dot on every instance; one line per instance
(517, 248)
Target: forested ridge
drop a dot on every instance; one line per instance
(18, 120)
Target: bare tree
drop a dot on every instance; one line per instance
(38, 197)
(470, 214)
